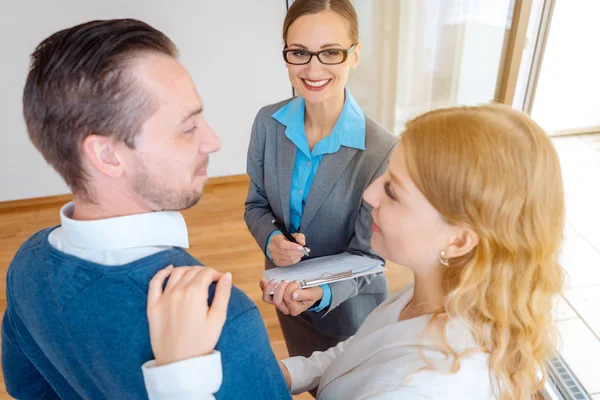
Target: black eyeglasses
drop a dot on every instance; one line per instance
(327, 57)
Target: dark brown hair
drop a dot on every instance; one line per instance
(343, 8)
(80, 83)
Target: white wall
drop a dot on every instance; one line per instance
(232, 49)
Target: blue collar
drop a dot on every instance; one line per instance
(349, 130)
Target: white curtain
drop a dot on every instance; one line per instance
(419, 55)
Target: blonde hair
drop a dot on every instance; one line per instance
(494, 170)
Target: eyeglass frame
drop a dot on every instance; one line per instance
(345, 52)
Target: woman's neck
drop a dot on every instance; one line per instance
(320, 118)
(428, 296)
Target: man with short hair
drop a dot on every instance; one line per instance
(112, 110)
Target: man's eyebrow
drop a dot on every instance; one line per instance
(192, 114)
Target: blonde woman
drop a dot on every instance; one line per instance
(472, 202)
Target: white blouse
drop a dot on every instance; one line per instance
(383, 359)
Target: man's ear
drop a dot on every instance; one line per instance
(100, 151)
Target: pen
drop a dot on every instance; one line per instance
(289, 237)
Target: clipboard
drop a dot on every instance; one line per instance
(329, 269)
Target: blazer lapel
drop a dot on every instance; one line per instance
(286, 157)
(329, 172)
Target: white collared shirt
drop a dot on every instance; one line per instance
(121, 240)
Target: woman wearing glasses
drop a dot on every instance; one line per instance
(309, 160)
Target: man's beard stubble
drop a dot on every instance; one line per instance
(163, 199)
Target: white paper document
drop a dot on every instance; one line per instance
(322, 270)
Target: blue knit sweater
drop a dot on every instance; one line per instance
(74, 329)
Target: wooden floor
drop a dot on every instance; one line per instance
(218, 237)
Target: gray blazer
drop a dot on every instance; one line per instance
(335, 219)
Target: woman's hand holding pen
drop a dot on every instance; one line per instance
(283, 252)
(288, 297)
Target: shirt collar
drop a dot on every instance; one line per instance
(161, 228)
(349, 130)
